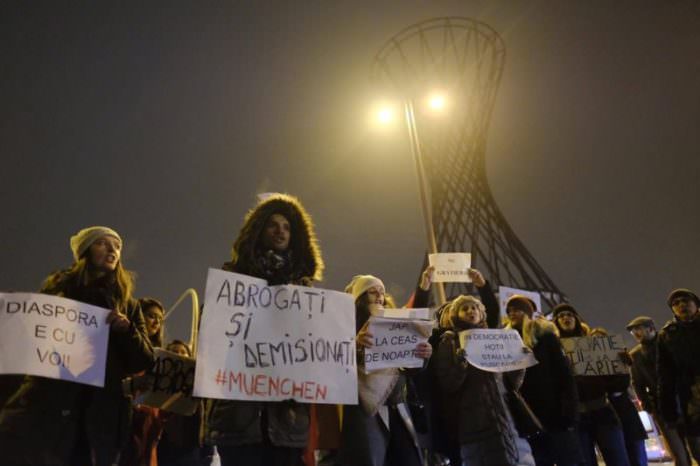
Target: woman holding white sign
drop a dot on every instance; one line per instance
(380, 430)
(54, 422)
(473, 400)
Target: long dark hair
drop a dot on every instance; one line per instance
(81, 274)
(157, 339)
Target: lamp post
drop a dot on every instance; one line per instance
(423, 190)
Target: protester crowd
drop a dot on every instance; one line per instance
(449, 412)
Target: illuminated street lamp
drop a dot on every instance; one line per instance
(436, 101)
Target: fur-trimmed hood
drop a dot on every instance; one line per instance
(307, 264)
(534, 329)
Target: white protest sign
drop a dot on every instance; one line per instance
(505, 293)
(395, 342)
(172, 379)
(595, 355)
(53, 337)
(451, 266)
(495, 350)
(272, 343)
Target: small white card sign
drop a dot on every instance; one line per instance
(495, 350)
(273, 343)
(595, 355)
(451, 266)
(395, 342)
(53, 337)
(505, 293)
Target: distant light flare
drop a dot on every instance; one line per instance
(437, 101)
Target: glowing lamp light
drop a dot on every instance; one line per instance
(437, 101)
(385, 115)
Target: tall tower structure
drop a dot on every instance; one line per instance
(465, 58)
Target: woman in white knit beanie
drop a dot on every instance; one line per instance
(380, 430)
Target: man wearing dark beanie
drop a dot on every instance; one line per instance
(678, 367)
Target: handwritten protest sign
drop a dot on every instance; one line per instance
(595, 355)
(395, 342)
(172, 378)
(504, 294)
(260, 342)
(53, 337)
(495, 350)
(451, 266)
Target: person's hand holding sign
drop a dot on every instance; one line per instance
(424, 350)
(477, 279)
(426, 278)
(364, 338)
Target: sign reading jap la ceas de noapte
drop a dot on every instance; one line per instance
(53, 337)
(395, 339)
(273, 343)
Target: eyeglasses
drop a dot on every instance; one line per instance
(564, 314)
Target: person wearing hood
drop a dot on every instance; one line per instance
(380, 430)
(644, 380)
(474, 408)
(55, 422)
(599, 424)
(548, 388)
(678, 367)
(277, 243)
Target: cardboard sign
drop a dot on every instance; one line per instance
(504, 294)
(53, 337)
(272, 343)
(451, 266)
(172, 379)
(495, 350)
(395, 342)
(595, 355)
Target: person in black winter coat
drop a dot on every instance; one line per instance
(644, 380)
(54, 422)
(473, 405)
(599, 424)
(549, 387)
(678, 366)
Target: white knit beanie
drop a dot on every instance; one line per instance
(361, 283)
(81, 241)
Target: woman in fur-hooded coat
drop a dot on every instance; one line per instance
(549, 387)
(248, 432)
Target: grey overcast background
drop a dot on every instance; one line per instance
(164, 119)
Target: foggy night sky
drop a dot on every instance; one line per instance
(164, 122)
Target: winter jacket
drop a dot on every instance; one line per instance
(678, 368)
(644, 375)
(284, 423)
(473, 406)
(47, 419)
(549, 387)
